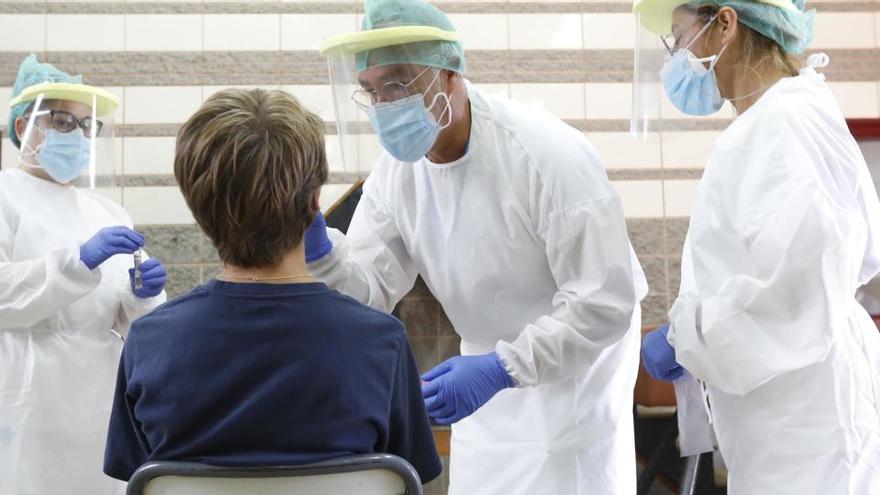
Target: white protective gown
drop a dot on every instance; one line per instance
(58, 356)
(524, 244)
(784, 230)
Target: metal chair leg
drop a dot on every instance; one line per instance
(647, 478)
(689, 476)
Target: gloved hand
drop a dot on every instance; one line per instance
(316, 240)
(152, 279)
(658, 356)
(459, 386)
(108, 242)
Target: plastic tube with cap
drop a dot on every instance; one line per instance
(138, 281)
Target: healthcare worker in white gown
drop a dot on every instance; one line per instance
(65, 297)
(784, 230)
(508, 215)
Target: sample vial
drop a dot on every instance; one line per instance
(137, 281)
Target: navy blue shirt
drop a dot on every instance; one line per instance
(265, 374)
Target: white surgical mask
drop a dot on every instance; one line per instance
(406, 128)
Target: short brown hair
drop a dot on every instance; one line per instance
(248, 163)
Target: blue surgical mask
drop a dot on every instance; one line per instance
(64, 155)
(691, 86)
(406, 128)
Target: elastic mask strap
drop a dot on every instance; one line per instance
(426, 69)
(701, 32)
(713, 60)
(436, 76)
(27, 149)
(446, 111)
(753, 93)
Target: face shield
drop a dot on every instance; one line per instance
(67, 135)
(388, 86)
(647, 88)
(664, 27)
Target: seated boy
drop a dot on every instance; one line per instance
(264, 365)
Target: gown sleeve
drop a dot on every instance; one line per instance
(371, 263)
(774, 269)
(35, 289)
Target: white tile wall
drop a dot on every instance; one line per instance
(5, 96)
(156, 205)
(641, 198)
(334, 153)
(621, 150)
(163, 32)
(546, 31)
(109, 153)
(23, 33)
(566, 101)
(119, 92)
(331, 193)
(608, 100)
(844, 30)
(315, 97)
(112, 193)
(482, 31)
(499, 90)
(609, 31)
(369, 150)
(306, 31)
(857, 99)
(242, 32)
(679, 197)
(311, 1)
(688, 149)
(161, 105)
(85, 32)
(877, 30)
(148, 155)
(362, 152)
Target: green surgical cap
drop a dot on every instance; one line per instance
(380, 14)
(30, 73)
(791, 29)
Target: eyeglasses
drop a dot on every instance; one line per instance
(63, 121)
(672, 42)
(390, 91)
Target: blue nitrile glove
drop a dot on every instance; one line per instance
(152, 278)
(317, 242)
(658, 356)
(459, 386)
(108, 242)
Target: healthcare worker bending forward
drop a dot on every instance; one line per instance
(783, 232)
(64, 297)
(508, 215)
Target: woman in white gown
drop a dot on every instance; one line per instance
(783, 232)
(65, 297)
